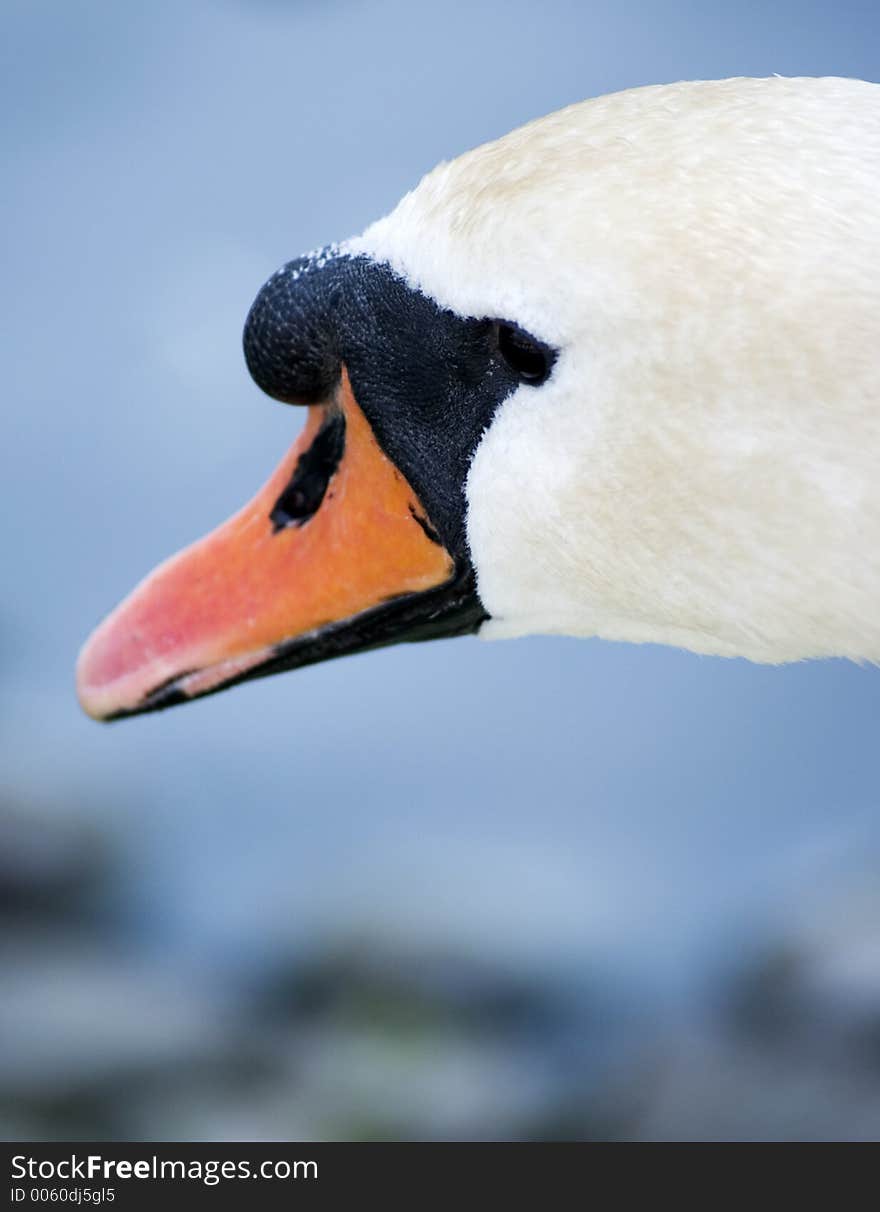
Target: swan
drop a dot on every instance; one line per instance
(616, 374)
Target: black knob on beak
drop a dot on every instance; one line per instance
(289, 341)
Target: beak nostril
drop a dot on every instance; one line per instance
(315, 468)
(288, 340)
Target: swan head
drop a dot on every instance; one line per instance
(614, 374)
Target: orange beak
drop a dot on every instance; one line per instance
(329, 557)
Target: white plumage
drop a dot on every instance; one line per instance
(703, 466)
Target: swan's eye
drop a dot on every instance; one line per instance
(527, 357)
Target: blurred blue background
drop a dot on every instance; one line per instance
(540, 888)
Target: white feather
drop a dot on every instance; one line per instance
(703, 466)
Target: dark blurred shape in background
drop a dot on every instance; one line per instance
(364, 1036)
(539, 890)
